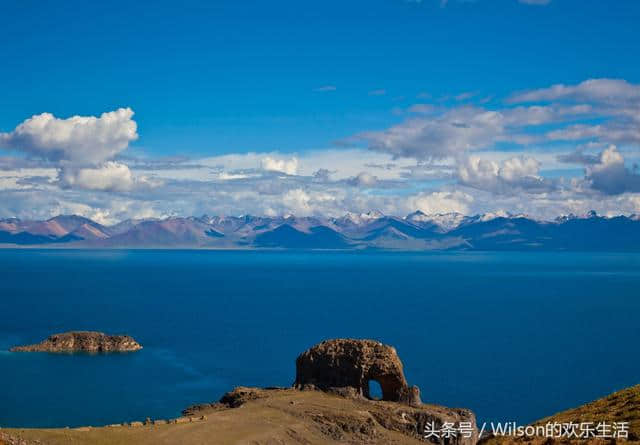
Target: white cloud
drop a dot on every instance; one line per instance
(611, 176)
(543, 114)
(288, 166)
(12, 183)
(96, 214)
(457, 130)
(297, 201)
(591, 90)
(31, 205)
(363, 179)
(511, 176)
(109, 176)
(224, 176)
(348, 163)
(453, 154)
(612, 132)
(341, 163)
(615, 102)
(305, 202)
(78, 138)
(514, 169)
(441, 202)
(454, 132)
(26, 178)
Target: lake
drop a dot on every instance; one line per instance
(512, 336)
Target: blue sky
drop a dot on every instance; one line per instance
(314, 81)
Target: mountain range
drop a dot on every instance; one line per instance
(373, 230)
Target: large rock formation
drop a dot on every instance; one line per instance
(82, 341)
(347, 366)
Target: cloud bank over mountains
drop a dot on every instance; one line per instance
(544, 152)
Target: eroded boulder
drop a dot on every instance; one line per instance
(347, 366)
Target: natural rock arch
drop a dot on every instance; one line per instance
(347, 366)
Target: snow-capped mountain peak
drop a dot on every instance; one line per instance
(359, 218)
(446, 221)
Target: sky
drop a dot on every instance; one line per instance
(152, 109)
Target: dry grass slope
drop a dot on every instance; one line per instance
(283, 416)
(620, 406)
(287, 416)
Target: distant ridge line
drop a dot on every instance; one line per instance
(372, 230)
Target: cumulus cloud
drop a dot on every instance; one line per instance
(363, 179)
(454, 132)
(441, 202)
(611, 176)
(322, 175)
(303, 202)
(109, 176)
(512, 175)
(78, 138)
(287, 166)
(80, 148)
(298, 201)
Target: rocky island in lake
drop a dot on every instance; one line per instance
(82, 341)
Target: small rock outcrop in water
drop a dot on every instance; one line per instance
(82, 341)
(346, 366)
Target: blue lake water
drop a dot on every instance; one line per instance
(513, 336)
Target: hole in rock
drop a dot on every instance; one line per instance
(375, 390)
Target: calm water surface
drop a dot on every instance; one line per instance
(513, 336)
